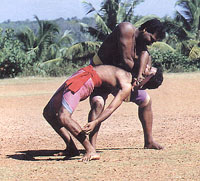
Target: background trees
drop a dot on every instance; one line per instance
(111, 13)
(184, 29)
(57, 47)
(12, 56)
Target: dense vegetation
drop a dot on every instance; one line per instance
(57, 47)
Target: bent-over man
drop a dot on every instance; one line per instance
(58, 112)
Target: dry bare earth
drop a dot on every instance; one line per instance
(27, 142)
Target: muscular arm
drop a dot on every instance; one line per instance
(125, 84)
(145, 60)
(125, 43)
(127, 50)
(115, 103)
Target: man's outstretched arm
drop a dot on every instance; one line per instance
(115, 103)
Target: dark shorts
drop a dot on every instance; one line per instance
(138, 97)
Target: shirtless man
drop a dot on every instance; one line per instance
(126, 47)
(58, 112)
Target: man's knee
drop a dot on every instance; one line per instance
(46, 112)
(97, 102)
(64, 116)
(146, 102)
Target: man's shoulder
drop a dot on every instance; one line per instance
(126, 25)
(126, 28)
(121, 72)
(111, 68)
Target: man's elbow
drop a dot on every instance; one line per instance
(129, 64)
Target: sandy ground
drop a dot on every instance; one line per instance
(27, 142)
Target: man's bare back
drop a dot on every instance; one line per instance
(110, 51)
(112, 76)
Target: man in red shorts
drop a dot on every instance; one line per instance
(78, 87)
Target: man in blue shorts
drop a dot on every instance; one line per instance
(126, 47)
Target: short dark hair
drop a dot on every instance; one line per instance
(155, 81)
(152, 26)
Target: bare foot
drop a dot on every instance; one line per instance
(68, 153)
(153, 145)
(89, 157)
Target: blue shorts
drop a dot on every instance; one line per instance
(138, 96)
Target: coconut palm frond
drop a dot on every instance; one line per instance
(93, 32)
(82, 50)
(89, 7)
(27, 37)
(190, 13)
(50, 62)
(38, 21)
(174, 26)
(53, 51)
(161, 46)
(97, 34)
(84, 27)
(181, 19)
(177, 29)
(137, 2)
(101, 25)
(121, 13)
(110, 11)
(47, 32)
(124, 11)
(186, 12)
(194, 53)
(66, 38)
(63, 51)
(45, 41)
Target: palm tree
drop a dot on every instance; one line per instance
(111, 13)
(28, 38)
(57, 50)
(190, 16)
(184, 29)
(39, 43)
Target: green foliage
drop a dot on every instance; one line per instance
(82, 51)
(185, 26)
(186, 46)
(162, 46)
(39, 43)
(190, 16)
(39, 49)
(111, 13)
(173, 61)
(195, 53)
(53, 69)
(12, 56)
(42, 51)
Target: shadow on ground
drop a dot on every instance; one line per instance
(49, 155)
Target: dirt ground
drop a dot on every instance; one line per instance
(27, 142)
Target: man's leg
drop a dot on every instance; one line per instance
(51, 118)
(146, 117)
(74, 128)
(97, 106)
